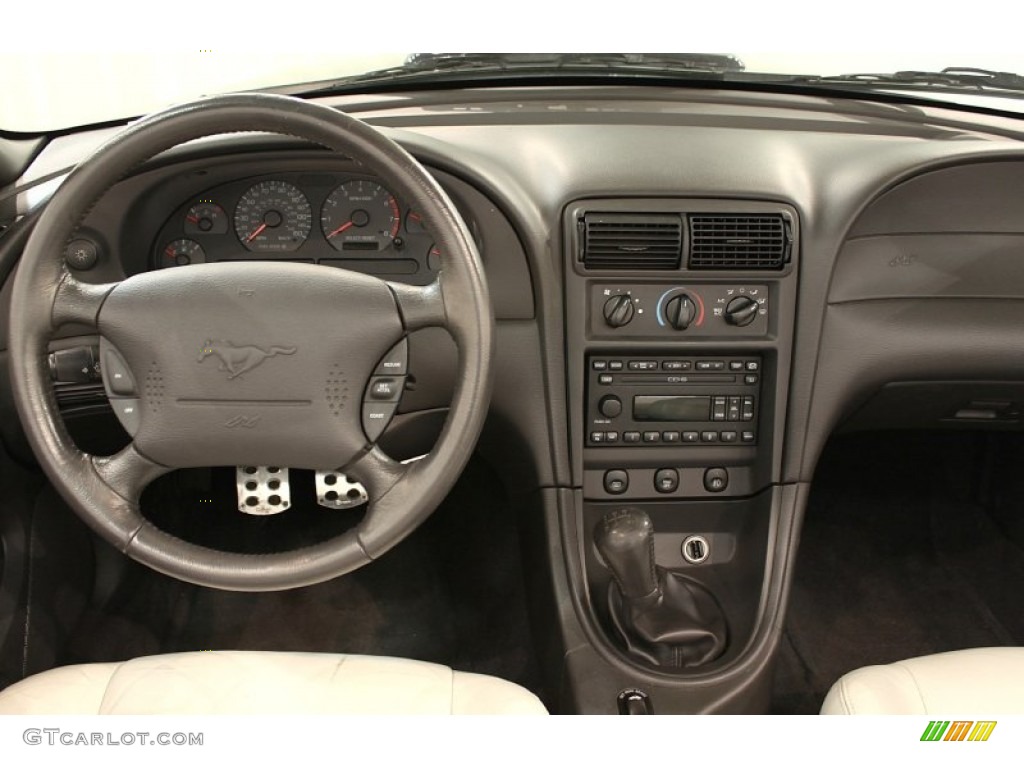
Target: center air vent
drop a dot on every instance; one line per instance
(630, 241)
(725, 241)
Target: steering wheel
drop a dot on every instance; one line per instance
(300, 409)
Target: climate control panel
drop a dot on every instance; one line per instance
(694, 310)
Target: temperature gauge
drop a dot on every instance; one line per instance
(206, 218)
(180, 253)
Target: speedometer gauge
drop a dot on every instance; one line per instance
(273, 216)
(360, 216)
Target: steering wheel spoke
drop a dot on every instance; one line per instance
(128, 472)
(421, 306)
(78, 302)
(377, 472)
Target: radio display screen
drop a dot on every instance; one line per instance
(671, 408)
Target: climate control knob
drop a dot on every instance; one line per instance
(740, 311)
(618, 310)
(680, 311)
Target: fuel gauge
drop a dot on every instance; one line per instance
(180, 253)
(206, 218)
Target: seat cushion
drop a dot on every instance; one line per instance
(244, 682)
(978, 681)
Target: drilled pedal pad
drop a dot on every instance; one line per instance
(263, 490)
(335, 491)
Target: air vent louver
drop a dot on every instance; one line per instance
(630, 241)
(739, 242)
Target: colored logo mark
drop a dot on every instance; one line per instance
(958, 730)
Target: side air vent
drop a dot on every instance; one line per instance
(630, 241)
(727, 241)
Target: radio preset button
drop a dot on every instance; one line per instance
(611, 437)
(691, 437)
(666, 480)
(652, 437)
(709, 437)
(729, 437)
(616, 481)
(610, 406)
(750, 378)
(748, 437)
(670, 437)
(753, 365)
(631, 437)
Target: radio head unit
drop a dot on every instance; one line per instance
(660, 399)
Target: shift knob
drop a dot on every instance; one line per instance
(625, 540)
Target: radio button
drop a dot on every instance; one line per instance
(616, 481)
(611, 437)
(734, 409)
(677, 365)
(735, 365)
(691, 437)
(750, 378)
(631, 437)
(748, 437)
(599, 365)
(710, 365)
(666, 481)
(605, 378)
(709, 437)
(597, 437)
(729, 437)
(753, 365)
(670, 437)
(652, 437)
(615, 365)
(718, 409)
(643, 365)
(610, 406)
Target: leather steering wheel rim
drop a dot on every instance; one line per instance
(105, 491)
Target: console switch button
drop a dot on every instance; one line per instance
(716, 480)
(616, 481)
(666, 480)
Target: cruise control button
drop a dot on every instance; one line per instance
(616, 481)
(385, 388)
(127, 410)
(376, 417)
(116, 373)
(395, 362)
(666, 480)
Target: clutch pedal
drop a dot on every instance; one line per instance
(263, 490)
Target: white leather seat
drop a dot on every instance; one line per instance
(244, 682)
(979, 681)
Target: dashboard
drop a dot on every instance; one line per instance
(701, 392)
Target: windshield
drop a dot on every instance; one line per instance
(52, 90)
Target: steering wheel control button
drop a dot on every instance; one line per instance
(263, 490)
(78, 365)
(386, 388)
(82, 254)
(616, 481)
(395, 362)
(336, 491)
(666, 481)
(376, 417)
(610, 406)
(116, 373)
(127, 411)
(716, 480)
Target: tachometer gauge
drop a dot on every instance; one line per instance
(360, 216)
(182, 252)
(273, 216)
(206, 218)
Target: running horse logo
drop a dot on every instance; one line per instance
(238, 360)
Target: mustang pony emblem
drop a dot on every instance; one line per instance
(238, 360)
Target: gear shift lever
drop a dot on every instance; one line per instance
(663, 617)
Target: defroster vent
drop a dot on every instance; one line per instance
(630, 241)
(729, 241)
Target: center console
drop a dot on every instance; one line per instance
(679, 322)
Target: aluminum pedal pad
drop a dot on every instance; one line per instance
(335, 491)
(263, 490)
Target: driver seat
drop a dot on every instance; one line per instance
(259, 682)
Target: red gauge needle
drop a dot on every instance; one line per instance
(256, 234)
(341, 229)
(193, 219)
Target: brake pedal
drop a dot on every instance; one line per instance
(335, 491)
(263, 490)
